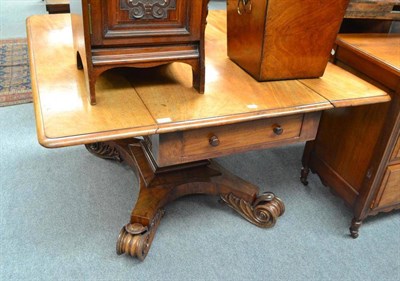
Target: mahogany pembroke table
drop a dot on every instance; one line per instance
(179, 131)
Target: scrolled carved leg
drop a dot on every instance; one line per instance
(263, 212)
(104, 150)
(355, 226)
(135, 239)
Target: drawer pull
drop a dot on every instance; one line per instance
(214, 141)
(278, 130)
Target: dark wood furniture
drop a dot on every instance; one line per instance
(357, 149)
(371, 16)
(57, 6)
(181, 131)
(138, 33)
(283, 39)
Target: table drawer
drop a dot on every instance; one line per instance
(211, 142)
(389, 192)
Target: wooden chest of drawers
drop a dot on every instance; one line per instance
(371, 16)
(374, 9)
(138, 33)
(357, 149)
(57, 6)
(283, 39)
(199, 144)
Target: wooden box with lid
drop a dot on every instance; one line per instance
(283, 39)
(138, 33)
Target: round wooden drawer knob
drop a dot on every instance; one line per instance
(278, 130)
(214, 141)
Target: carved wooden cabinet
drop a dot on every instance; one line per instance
(138, 33)
(357, 149)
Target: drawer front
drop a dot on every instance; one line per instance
(241, 135)
(396, 151)
(389, 192)
(205, 143)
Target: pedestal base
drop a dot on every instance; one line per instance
(158, 186)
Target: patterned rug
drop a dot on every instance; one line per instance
(15, 80)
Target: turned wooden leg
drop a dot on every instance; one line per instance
(159, 186)
(355, 226)
(304, 175)
(305, 170)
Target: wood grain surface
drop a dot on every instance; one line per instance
(382, 49)
(137, 102)
(63, 114)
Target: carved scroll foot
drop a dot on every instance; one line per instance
(104, 150)
(263, 212)
(135, 239)
(355, 226)
(304, 175)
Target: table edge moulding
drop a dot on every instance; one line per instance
(150, 119)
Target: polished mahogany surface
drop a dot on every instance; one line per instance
(382, 49)
(162, 99)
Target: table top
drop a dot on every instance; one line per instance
(136, 102)
(382, 48)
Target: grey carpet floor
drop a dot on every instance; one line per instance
(61, 211)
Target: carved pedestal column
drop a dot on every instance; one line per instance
(158, 186)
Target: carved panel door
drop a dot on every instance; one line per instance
(140, 22)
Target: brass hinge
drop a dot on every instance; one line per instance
(90, 19)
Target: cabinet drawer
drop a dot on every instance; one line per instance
(389, 192)
(204, 143)
(396, 151)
